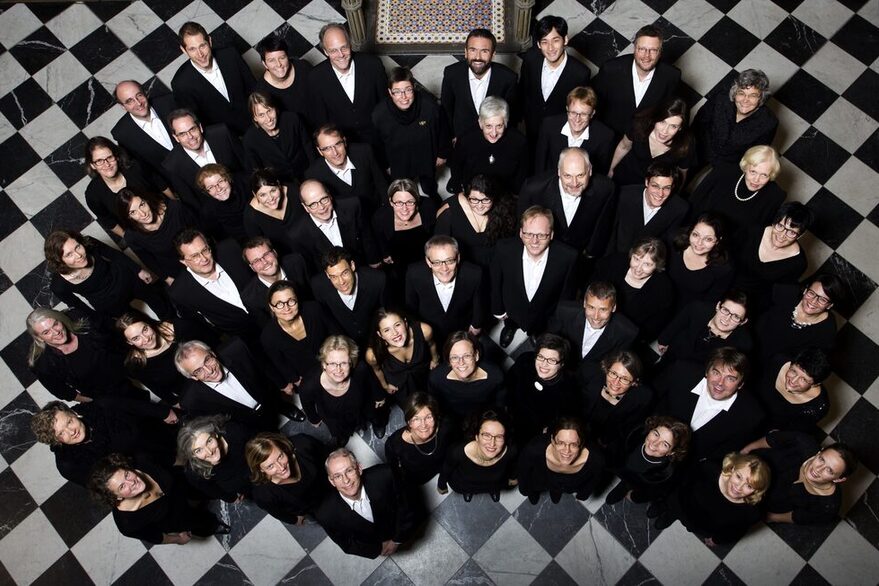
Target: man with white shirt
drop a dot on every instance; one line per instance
(530, 275)
(467, 83)
(575, 127)
(261, 257)
(143, 131)
(345, 89)
(710, 399)
(367, 514)
(213, 84)
(444, 291)
(631, 83)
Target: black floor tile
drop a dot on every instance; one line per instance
(859, 38)
(729, 40)
(287, 8)
(15, 356)
(723, 5)
(225, 36)
(598, 42)
(470, 524)
(388, 573)
(637, 575)
(11, 218)
(835, 220)
(5, 283)
(17, 156)
(243, 517)
(158, 49)
(868, 153)
(795, 40)
(46, 11)
(24, 103)
(73, 523)
(15, 431)
(145, 571)
(67, 570)
(16, 503)
(863, 514)
(808, 576)
(470, 573)
(554, 575)
(854, 359)
(723, 575)
(310, 535)
(225, 9)
(788, 5)
(863, 93)
(165, 9)
(107, 10)
(37, 50)
(803, 539)
(627, 522)
(660, 6)
(225, 571)
(98, 49)
(552, 525)
(86, 103)
(34, 287)
(806, 96)
(858, 430)
(816, 155)
(297, 45)
(306, 572)
(676, 43)
(858, 285)
(874, 215)
(64, 213)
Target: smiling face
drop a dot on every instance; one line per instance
(723, 381)
(797, 380)
(479, 54)
(618, 380)
(207, 447)
(739, 485)
(824, 467)
(187, 133)
(344, 475)
(337, 365)
(574, 174)
(567, 446)
(815, 300)
(343, 276)
(277, 63)
(642, 267)
(142, 336)
(665, 130)
(198, 49)
(580, 113)
(784, 234)
(547, 363)
(657, 190)
(337, 49)
(463, 359)
(316, 201)
(552, 46)
(747, 100)
(394, 330)
(660, 441)
(479, 202)
(284, 304)
(598, 311)
(402, 94)
(405, 205)
(422, 425)
(126, 484)
(68, 428)
(493, 128)
(757, 176)
(277, 466)
(703, 239)
(728, 315)
(263, 260)
(217, 187)
(647, 52)
(265, 117)
(333, 148)
(443, 262)
(52, 332)
(536, 235)
(139, 211)
(133, 99)
(104, 162)
(202, 366)
(74, 255)
(491, 439)
(270, 197)
(198, 257)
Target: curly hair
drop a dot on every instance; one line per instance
(43, 422)
(105, 468)
(760, 474)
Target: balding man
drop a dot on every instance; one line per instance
(143, 131)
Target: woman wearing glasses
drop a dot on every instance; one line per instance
(222, 212)
(484, 464)
(417, 450)
(792, 392)
(414, 133)
(277, 140)
(561, 461)
(271, 212)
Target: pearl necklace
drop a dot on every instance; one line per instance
(736, 191)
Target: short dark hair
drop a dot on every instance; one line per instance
(102, 142)
(154, 201)
(815, 363)
(334, 255)
(459, 336)
(271, 43)
(569, 423)
(418, 401)
(399, 75)
(717, 255)
(282, 285)
(833, 286)
(800, 216)
(553, 342)
(482, 33)
(737, 296)
(546, 24)
(731, 358)
(187, 236)
(181, 113)
(475, 421)
(680, 432)
(847, 455)
(263, 177)
(329, 128)
(662, 169)
(629, 360)
(601, 290)
(649, 31)
(190, 29)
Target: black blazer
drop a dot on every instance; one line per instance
(629, 225)
(590, 228)
(356, 324)
(330, 103)
(727, 431)
(141, 145)
(192, 90)
(368, 182)
(508, 286)
(355, 231)
(466, 308)
(551, 142)
(254, 295)
(199, 399)
(569, 321)
(534, 107)
(616, 94)
(395, 516)
(181, 169)
(262, 151)
(458, 102)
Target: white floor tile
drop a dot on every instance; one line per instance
(48, 131)
(860, 249)
(834, 67)
(267, 552)
(74, 24)
(91, 552)
(185, 564)
(762, 557)
(846, 125)
(61, 76)
(13, 305)
(695, 17)
(665, 561)
(16, 24)
(825, 16)
(198, 12)
(255, 21)
(577, 15)
(21, 252)
(37, 472)
(701, 69)
(134, 23)
(854, 182)
(125, 66)
(757, 16)
(627, 17)
(341, 569)
(511, 555)
(594, 556)
(22, 560)
(312, 17)
(12, 74)
(776, 66)
(846, 558)
(433, 559)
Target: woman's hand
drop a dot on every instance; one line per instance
(146, 276)
(391, 389)
(288, 390)
(171, 419)
(662, 348)
(388, 260)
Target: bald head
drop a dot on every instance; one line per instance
(131, 96)
(574, 171)
(316, 200)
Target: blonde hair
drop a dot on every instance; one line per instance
(760, 475)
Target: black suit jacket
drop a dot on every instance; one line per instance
(458, 102)
(356, 323)
(569, 321)
(368, 182)
(192, 90)
(591, 225)
(629, 225)
(534, 107)
(255, 292)
(616, 94)
(140, 144)
(727, 431)
(181, 169)
(330, 103)
(551, 142)
(466, 307)
(508, 285)
(395, 515)
(356, 235)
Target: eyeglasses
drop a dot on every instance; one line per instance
(210, 363)
(477, 201)
(106, 161)
(339, 50)
(322, 202)
(648, 50)
(551, 361)
(626, 380)
(403, 92)
(419, 420)
(216, 186)
(662, 188)
(135, 98)
(448, 262)
(812, 296)
(535, 236)
(332, 147)
(404, 204)
(261, 260)
(579, 115)
(289, 303)
(789, 232)
(705, 239)
(336, 365)
(349, 471)
(727, 313)
(462, 358)
(191, 131)
(490, 438)
(568, 445)
(203, 253)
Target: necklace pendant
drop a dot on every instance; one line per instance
(491, 159)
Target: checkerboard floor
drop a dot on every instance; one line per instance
(58, 65)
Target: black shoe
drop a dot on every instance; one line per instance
(507, 335)
(294, 413)
(379, 431)
(617, 494)
(555, 497)
(468, 496)
(495, 496)
(222, 529)
(534, 498)
(663, 521)
(655, 509)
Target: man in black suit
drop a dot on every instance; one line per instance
(350, 294)
(263, 260)
(348, 170)
(444, 292)
(630, 83)
(548, 75)
(575, 128)
(345, 88)
(654, 210)
(595, 329)
(229, 382)
(216, 86)
(582, 204)
(466, 84)
(709, 400)
(367, 514)
(530, 275)
(195, 148)
(331, 223)
(144, 132)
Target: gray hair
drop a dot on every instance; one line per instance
(493, 106)
(185, 350)
(210, 424)
(574, 150)
(338, 453)
(754, 78)
(440, 240)
(38, 315)
(333, 26)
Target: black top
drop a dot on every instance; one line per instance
(224, 219)
(298, 358)
(287, 502)
(231, 476)
(411, 376)
(632, 168)
(156, 249)
(777, 333)
(783, 415)
(535, 408)
(465, 476)
(295, 97)
(473, 245)
(160, 375)
(417, 464)
(101, 200)
(535, 476)
(343, 414)
(403, 246)
(288, 153)
(506, 161)
(756, 277)
(688, 337)
(650, 477)
(610, 424)
(280, 232)
(459, 399)
(723, 140)
(706, 284)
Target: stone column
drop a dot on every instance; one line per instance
(357, 23)
(521, 22)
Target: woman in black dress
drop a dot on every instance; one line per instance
(699, 266)
(288, 474)
(657, 134)
(417, 451)
(494, 150)
(541, 389)
(273, 210)
(85, 268)
(413, 132)
(284, 78)
(644, 292)
(718, 502)
(401, 353)
(222, 213)
(343, 393)
(805, 477)
(151, 225)
(211, 451)
(560, 461)
(477, 219)
(463, 384)
(791, 391)
(277, 140)
(149, 502)
(486, 463)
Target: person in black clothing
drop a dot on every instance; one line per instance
(211, 451)
(260, 255)
(464, 384)
(284, 78)
(577, 128)
(222, 213)
(791, 391)
(277, 140)
(272, 211)
(560, 461)
(287, 474)
(417, 450)
(149, 502)
(698, 264)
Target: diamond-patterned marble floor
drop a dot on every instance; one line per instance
(58, 66)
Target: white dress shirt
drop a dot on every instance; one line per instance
(590, 337)
(203, 158)
(215, 78)
(640, 86)
(330, 229)
(281, 277)
(444, 291)
(345, 172)
(706, 406)
(570, 203)
(478, 87)
(532, 271)
(223, 286)
(155, 129)
(549, 77)
(347, 80)
(231, 388)
(574, 141)
(361, 506)
(649, 211)
(349, 300)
